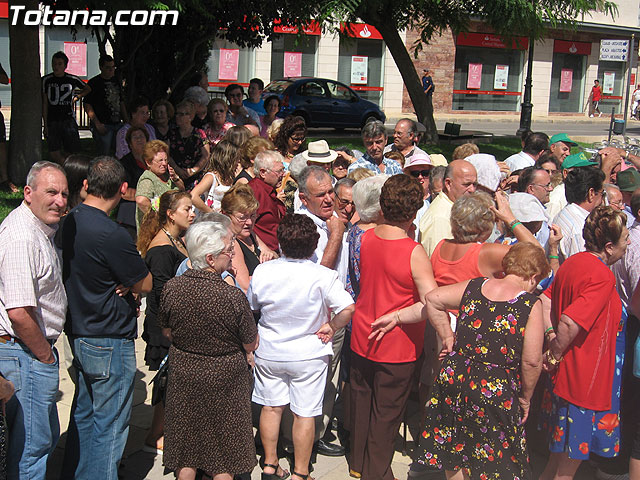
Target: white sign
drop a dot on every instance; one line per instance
(607, 84)
(359, 68)
(614, 50)
(502, 76)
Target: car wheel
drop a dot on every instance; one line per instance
(370, 118)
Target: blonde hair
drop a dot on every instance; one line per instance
(465, 150)
(360, 174)
(239, 198)
(471, 217)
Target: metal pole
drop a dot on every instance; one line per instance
(628, 83)
(527, 106)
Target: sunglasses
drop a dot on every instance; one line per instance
(417, 173)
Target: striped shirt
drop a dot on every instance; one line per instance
(571, 220)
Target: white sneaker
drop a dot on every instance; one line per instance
(600, 114)
(591, 116)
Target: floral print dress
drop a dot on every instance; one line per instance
(473, 415)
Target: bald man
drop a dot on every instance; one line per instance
(459, 179)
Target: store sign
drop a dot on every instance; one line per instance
(566, 80)
(574, 48)
(488, 40)
(474, 79)
(359, 69)
(501, 78)
(614, 50)
(228, 64)
(292, 64)
(312, 28)
(77, 53)
(608, 82)
(360, 30)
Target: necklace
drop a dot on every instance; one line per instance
(173, 240)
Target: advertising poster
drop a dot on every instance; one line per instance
(359, 68)
(292, 64)
(566, 80)
(77, 53)
(228, 65)
(608, 82)
(501, 78)
(474, 79)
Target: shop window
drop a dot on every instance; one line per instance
(567, 83)
(242, 74)
(373, 50)
(612, 79)
(306, 45)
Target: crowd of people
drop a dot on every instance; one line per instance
(282, 276)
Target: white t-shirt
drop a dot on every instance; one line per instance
(295, 298)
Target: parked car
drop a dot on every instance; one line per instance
(322, 102)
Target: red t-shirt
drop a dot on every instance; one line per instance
(270, 212)
(386, 285)
(585, 290)
(596, 93)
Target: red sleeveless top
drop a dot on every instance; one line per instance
(386, 285)
(448, 272)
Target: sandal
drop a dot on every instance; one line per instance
(274, 475)
(303, 477)
(354, 474)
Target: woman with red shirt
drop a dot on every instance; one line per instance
(395, 276)
(586, 314)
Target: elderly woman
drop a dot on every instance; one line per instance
(395, 274)
(159, 178)
(586, 314)
(188, 153)
(134, 166)
(217, 127)
(162, 113)
(272, 107)
(480, 401)
(247, 155)
(291, 138)
(160, 244)
(240, 205)
(199, 98)
(293, 356)
(211, 329)
(139, 110)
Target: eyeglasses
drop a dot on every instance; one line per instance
(620, 204)
(417, 173)
(229, 250)
(245, 218)
(344, 203)
(279, 173)
(546, 187)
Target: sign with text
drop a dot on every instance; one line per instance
(608, 82)
(488, 40)
(502, 77)
(614, 50)
(474, 79)
(566, 80)
(359, 68)
(292, 64)
(228, 65)
(77, 53)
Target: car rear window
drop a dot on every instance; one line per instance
(277, 86)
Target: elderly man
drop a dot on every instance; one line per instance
(102, 271)
(374, 138)
(560, 145)
(344, 206)
(534, 145)
(536, 182)
(584, 188)
(269, 170)
(33, 306)
(459, 179)
(628, 182)
(237, 113)
(405, 139)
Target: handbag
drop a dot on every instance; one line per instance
(159, 388)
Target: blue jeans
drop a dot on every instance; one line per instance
(105, 144)
(32, 413)
(99, 423)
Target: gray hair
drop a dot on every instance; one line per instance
(437, 173)
(37, 167)
(373, 129)
(413, 125)
(213, 217)
(197, 95)
(342, 183)
(202, 239)
(314, 171)
(471, 217)
(297, 164)
(266, 160)
(366, 197)
(610, 186)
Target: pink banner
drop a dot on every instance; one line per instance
(228, 65)
(474, 79)
(292, 64)
(77, 53)
(566, 80)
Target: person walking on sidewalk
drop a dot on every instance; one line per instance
(596, 96)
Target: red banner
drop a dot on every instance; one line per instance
(362, 88)
(312, 28)
(474, 79)
(486, 92)
(574, 48)
(488, 40)
(360, 30)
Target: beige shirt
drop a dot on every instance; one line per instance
(435, 224)
(30, 273)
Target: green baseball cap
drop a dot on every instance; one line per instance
(577, 160)
(564, 138)
(629, 180)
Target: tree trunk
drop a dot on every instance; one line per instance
(400, 54)
(25, 141)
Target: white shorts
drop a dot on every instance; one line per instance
(300, 384)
